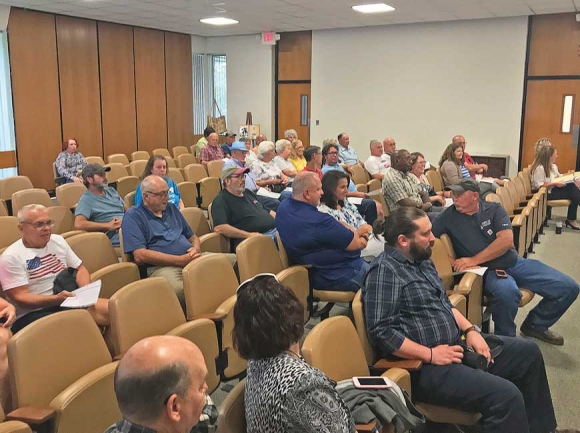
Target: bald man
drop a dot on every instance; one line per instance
(160, 387)
(469, 164)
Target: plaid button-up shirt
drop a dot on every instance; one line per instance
(398, 186)
(211, 153)
(406, 299)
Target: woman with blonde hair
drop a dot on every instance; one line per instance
(297, 155)
(544, 171)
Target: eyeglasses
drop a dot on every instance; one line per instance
(238, 176)
(332, 153)
(264, 275)
(161, 194)
(41, 224)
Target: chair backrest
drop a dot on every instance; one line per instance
(3, 208)
(188, 192)
(52, 353)
(136, 167)
(214, 168)
(358, 174)
(9, 232)
(10, 185)
(143, 309)
(94, 249)
(282, 251)
(179, 150)
(493, 198)
(118, 171)
(129, 199)
(209, 188)
(196, 220)
(127, 184)
(435, 179)
(524, 175)
(30, 196)
(195, 172)
(140, 155)
(54, 171)
(506, 199)
(520, 187)
(95, 160)
(118, 158)
(232, 412)
(161, 151)
(207, 282)
(69, 194)
(185, 159)
(513, 192)
(63, 217)
(170, 162)
(296, 279)
(442, 264)
(333, 347)
(175, 174)
(361, 327)
(257, 255)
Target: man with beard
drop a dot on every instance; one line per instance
(100, 208)
(408, 314)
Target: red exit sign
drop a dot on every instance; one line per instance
(269, 38)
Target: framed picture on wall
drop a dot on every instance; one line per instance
(251, 131)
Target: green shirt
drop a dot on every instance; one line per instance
(201, 143)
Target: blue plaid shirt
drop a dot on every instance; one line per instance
(406, 299)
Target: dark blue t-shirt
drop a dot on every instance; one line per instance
(315, 238)
(472, 234)
(169, 234)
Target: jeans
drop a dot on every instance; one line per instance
(558, 291)
(368, 210)
(355, 283)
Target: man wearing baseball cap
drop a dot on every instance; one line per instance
(237, 213)
(482, 235)
(227, 146)
(100, 208)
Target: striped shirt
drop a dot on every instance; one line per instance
(406, 299)
(464, 172)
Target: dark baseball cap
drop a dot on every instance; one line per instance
(463, 185)
(91, 169)
(231, 170)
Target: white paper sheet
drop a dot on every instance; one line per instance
(355, 200)
(375, 192)
(265, 193)
(480, 270)
(84, 296)
(487, 180)
(448, 202)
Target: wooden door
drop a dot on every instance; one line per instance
(294, 110)
(544, 117)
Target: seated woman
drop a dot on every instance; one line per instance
(70, 162)
(453, 169)
(335, 203)
(543, 172)
(297, 156)
(283, 393)
(542, 142)
(417, 173)
(157, 165)
(265, 171)
(283, 148)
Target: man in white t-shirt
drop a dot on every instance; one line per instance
(30, 265)
(376, 164)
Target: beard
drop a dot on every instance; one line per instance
(419, 253)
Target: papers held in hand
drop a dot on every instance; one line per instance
(84, 296)
(480, 270)
(568, 178)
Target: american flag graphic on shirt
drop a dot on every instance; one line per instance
(39, 267)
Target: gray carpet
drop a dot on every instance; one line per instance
(562, 363)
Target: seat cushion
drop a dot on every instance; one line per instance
(333, 296)
(559, 203)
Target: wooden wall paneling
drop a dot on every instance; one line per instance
(80, 95)
(554, 45)
(117, 69)
(35, 92)
(150, 89)
(295, 56)
(179, 89)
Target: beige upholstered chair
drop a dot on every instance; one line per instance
(95, 160)
(179, 150)
(30, 196)
(118, 158)
(140, 155)
(69, 194)
(161, 151)
(232, 412)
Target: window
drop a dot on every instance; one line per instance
(209, 83)
(7, 138)
(218, 85)
(199, 118)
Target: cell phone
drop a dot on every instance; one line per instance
(370, 382)
(500, 273)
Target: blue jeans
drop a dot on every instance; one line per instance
(368, 210)
(355, 283)
(557, 290)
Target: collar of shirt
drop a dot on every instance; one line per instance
(125, 426)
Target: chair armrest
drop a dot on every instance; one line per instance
(405, 364)
(474, 308)
(214, 243)
(401, 377)
(214, 317)
(361, 187)
(518, 220)
(115, 276)
(67, 235)
(458, 301)
(33, 415)
(14, 427)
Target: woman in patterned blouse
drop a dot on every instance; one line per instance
(283, 393)
(70, 162)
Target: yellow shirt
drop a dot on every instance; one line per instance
(298, 163)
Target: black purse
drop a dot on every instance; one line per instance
(65, 280)
(477, 361)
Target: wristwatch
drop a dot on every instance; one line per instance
(472, 328)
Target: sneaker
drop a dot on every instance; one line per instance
(547, 336)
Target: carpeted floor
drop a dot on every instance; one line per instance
(562, 363)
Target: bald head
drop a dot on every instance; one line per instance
(459, 139)
(260, 138)
(389, 145)
(307, 187)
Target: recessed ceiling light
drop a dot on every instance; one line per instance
(219, 21)
(373, 8)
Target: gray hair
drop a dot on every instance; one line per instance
(373, 141)
(289, 132)
(23, 213)
(281, 145)
(264, 147)
(328, 141)
(148, 182)
(302, 181)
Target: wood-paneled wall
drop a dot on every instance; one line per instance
(115, 88)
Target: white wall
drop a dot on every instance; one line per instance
(422, 84)
(250, 78)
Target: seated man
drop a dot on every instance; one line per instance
(202, 142)
(400, 189)
(347, 156)
(389, 148)
(158, 236)
(482, 236)
(100, 208)
(313, 157)
(317, 239)
(211, 152)
(30, 265)
(227, 146)
(408, 314)
(167, 366)
(237, 213)
(376, 164)
(368, 208)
